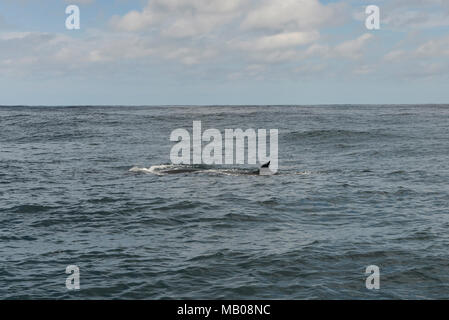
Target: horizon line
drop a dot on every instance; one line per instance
(220, 105)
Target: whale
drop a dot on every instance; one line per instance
(265, 170)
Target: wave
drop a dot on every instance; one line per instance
(30, 208)
(323, 134)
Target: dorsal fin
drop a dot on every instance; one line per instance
(266, 165)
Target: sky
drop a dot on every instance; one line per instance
(223, 52)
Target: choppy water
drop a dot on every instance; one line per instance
(357, 186)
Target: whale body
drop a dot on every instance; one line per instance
(173, 169)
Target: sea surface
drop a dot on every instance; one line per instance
(357, 186)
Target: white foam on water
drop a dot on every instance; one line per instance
(225, 172)
(158, 168)
(304, 173)
(152, 170)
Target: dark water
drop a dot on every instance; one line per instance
(357, 186)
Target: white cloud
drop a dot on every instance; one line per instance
(227, 26)
(188, 56)
(181, 18)
(404, 15)
(197, 35)
(419, 59)
(318, 50)
(416, 19)
(280, 41)
(426, 3)
(190, 25)
(353, 48)
(134, 20)
(291, 15)
(434, 48)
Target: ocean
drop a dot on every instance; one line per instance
(357, 186)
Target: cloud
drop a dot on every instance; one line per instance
(353, 48)
(229, 27)
(181, 18)
(292, 15)
(188, 56)
(189, 18)
(425, 3)
(280, 41)
(419, 58)
(61, 53)
(430, 49)
(415, 14)
(434, 48)
(416, 19)
(211, 36)
(395, 55)
(190, 25)
(134, 20)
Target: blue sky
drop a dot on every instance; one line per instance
(188, 52)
